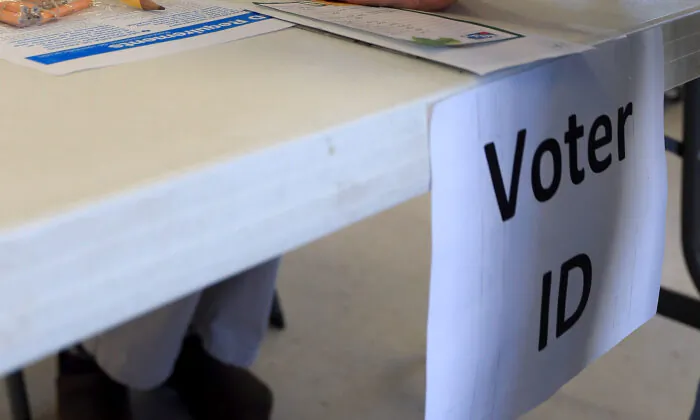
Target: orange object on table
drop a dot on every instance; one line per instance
(64, 10)
(25, 13)
(14, 18)
(19, 6)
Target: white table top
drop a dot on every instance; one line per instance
(154, 179)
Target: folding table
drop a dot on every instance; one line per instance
(184, 169)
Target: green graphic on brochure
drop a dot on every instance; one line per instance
(440, 42)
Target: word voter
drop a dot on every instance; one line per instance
(599, 154)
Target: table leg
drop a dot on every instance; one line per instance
(680, 308)
(276, 315)
(17, 395)
(690, 200)
(674, 305)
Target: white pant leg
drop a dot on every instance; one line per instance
(232, 316)
(141, 353)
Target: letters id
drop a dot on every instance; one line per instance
(581, 262)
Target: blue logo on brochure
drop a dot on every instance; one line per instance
(481, 35)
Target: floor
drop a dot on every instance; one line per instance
(354, 349)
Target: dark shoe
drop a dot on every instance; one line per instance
(212, 390)
(87, 393)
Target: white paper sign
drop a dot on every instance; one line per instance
(549, 195)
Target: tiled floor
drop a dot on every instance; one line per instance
(356, 306)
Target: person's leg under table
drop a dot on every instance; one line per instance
(232, 316)
(212, 375)
(141, 353)
(95, 379)
(226, 324)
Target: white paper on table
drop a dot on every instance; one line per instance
(108, 34)
(497, 343)
(406, 25)
(587, 21)
(477, 58)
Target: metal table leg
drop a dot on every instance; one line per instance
(17, 395)
(276, 315)
(674, 305)
(690, 201)
(680, 308)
